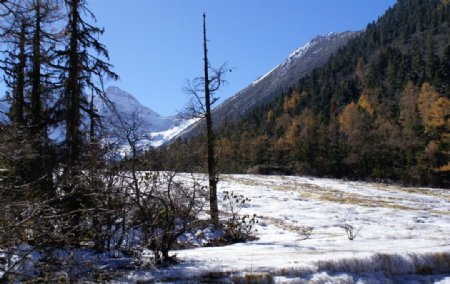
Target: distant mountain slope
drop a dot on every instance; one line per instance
(299, 63)
(127, 103)
(158, 128)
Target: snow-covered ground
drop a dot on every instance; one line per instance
(403, 235)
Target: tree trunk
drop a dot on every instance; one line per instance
(17, 117)
(41, 165)
(212, 174)
(73, 93)
(36, 104)
(18, 100)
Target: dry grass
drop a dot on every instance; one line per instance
(253, 278)
(305, 232)
(389, 264)
(311, 191)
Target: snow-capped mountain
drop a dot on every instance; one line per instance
(157, 128)
(126, 102)
(298, 64)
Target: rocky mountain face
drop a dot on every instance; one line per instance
(299, 64)
(126, 103)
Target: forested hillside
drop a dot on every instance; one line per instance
(379, 109)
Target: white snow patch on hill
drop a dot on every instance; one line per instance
(159, 138)
(263, 76)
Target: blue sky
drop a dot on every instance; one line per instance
(155, 45)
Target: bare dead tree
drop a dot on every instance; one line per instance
(202, 91)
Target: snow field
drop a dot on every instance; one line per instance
(397, 228)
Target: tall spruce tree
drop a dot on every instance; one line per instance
(43, 88)
(83, 67)
(80, 70)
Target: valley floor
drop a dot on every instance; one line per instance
(402, 235)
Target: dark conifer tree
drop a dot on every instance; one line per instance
(43, 89)
(80, 70)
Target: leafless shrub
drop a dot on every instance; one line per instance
(238, 227)
(347, 219)
(164, 209)
(351, 230)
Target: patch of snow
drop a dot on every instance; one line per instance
(404, 236)
(159, 138)
(299, 51)
(263, 76)
(155, 139)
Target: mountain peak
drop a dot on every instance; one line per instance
(158, 128)
(126, 102)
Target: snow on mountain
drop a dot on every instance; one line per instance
(305, 58)
(264, 89)
(263, 77)
(158, 129)
(159, 138)
(127, 103)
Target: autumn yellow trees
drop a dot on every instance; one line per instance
(435, 115)
(368, 137)
(414, 143)
(434, 109)
(354, 125)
